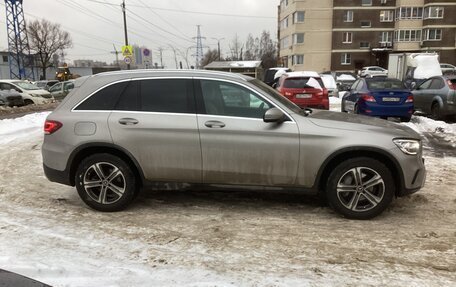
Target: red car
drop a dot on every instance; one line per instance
(305, 89)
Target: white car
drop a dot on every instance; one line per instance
(373, 71)
(29, 92)
(447, 68)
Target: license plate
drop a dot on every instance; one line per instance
(390, 99)
(303, 96)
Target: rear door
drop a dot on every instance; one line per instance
(420, 95)
(155, 120)
(238, 147)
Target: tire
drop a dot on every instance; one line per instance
(435, 111)
(28, 102)
(356, 110)
(113, 183)
(356, 201)
(342, 107)
(405, 119)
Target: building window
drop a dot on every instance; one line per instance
(408, 35)
(365, 24)
(5, 59)
(433, 13)
(297, 60)
(409, 13)
(348, 16)
(365, 2)
(386, 16)
(364, 45)
(347, 37)
(433, 34)
(284, 23)
(298, 38)
(285, 42)
(345, 58)
(386, 39)
(298, 17)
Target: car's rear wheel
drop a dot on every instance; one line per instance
(356, 109)
(435, 111)
(106, 182)
(360, 188)
(28, 102)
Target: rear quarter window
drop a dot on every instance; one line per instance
(104, 99)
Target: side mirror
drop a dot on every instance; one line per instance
(274, 115)
(274, 85)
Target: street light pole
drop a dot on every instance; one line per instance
(218, 45)
(124, 11)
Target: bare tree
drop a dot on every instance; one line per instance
(267, 50)
(236, 48)
(46, 39)
(209, 57)
(250, 49)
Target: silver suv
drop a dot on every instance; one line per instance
(117, 131)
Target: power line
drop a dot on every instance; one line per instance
(194, 12)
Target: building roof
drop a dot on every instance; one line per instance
(233, 64)
(302, 74)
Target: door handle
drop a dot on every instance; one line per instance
(128, 121)
(214, 124)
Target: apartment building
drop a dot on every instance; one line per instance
(345, 35)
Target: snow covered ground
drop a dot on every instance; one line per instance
(200, 238)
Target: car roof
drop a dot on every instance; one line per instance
(302, 74)
(124, 74)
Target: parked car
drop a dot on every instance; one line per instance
(344, 80)
(118, 131)
(373, 70)
(330, 84)
(379, 97)
(29, 92)
(61, 89)
(447, 68)
(436, 97)
(270, 74)
(46, 84)
(11, 98)
(305, 89)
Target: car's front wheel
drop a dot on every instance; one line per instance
(360, 188)
(106, 182)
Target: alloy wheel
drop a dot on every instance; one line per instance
(104, 183)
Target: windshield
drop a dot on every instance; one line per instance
(27, 86)
(276, 95)
(377, 84)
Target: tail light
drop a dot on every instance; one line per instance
(368, 98)
(409, 99)
(51, 127)
(288, 94)
(451, 85)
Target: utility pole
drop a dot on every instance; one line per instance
(124, 11)
(117, 54)
(161, 56)
(218, 45)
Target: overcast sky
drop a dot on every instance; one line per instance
(95, 26)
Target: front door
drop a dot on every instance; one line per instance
(238, 147)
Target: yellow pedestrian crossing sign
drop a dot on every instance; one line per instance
(127, 51)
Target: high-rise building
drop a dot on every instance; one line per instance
(349, 34)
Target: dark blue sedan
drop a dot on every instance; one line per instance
(379, 97)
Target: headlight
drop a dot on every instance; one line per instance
(411, 147)
(35, 96)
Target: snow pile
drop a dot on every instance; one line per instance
(13, 129)
(329, 81)
(334, 103)
(423, 125)
(427, 65)
(346, 77)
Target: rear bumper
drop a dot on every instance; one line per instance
(58, 176)
(376, 110)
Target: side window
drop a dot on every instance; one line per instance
(425, 85)
(55, 88)
(355, 85)
(167, 95)
(104, 99)
(68, 86)
(437, 84)
(228, 99)
(5, 86)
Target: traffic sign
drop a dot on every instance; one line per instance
(127, 51)
(146, 52)
(127, 60)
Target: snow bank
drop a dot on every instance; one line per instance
(426, 65)
(13, 129)
(445, 131)
(329, 81)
